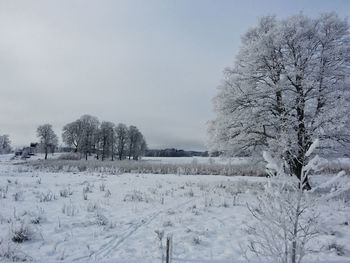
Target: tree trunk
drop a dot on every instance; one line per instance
(298, 161)
(297, 169)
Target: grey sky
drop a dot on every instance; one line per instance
(154, 64)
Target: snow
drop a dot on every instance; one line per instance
(205, 215)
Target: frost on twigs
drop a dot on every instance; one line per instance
(286, 217)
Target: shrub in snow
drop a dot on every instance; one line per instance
(168, 224)
(339, 249)
(3, 192)
(88, 188)
(69, 209)
(21, 231)
(47, 197)
(18, 196)
(190, 193)
(66, 192)
(108, 194)
(92, 207)
(225, 204)
(136, 196)
(101, 220)
(102, 187)
(285, 219)
(37, 217)
(196, 240)
(208, 201)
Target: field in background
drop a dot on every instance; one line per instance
(247, 166)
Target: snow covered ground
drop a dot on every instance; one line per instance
(114, 218)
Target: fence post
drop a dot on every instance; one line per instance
(169, 248)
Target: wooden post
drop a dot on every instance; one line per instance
(169, 248)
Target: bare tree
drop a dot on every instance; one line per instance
(73, 134)
(87, 136)
(5, 144)
(287, 87)
(140, 147)
(133, 135)
(107, 139)
(136, 143)
(90, 134)
(122, 140)
(48, 138)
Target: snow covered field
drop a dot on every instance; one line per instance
(84, 216)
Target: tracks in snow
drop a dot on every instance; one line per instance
(108, 248)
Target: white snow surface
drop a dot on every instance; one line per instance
(206, 216)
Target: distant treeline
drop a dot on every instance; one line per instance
(87, 136)
(173, 153)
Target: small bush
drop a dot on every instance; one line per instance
(92, 207)
(38, 216)
(88, 188)
(108, 194)
(49, 196)
(101, 220)
(18, 196)
(21, 232)
(102, 187)
(3, 192)
(168, 224)
(66, 192)
(196, 241)
(136, 196)
(69, 210)
(339, 249)
(190, 193)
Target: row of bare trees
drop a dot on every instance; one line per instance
(87, 136)
(107, 140)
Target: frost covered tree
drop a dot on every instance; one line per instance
(136, 143)
(107, 139)
(82, 134)
(48, 138)
(86, 135)
(133, 134)
(5, 144)
(122, 140)
(140, 147)
(288, 86)
(72, 134)
(90, 134)
(285, 215)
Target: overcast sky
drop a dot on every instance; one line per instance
(153, 64)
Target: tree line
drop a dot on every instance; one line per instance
(87, 136)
